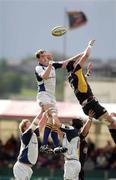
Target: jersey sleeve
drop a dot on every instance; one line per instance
(57, 65)
(26, 136)
(39, 70)
(65, 128)
(37, 132)
(70, 132)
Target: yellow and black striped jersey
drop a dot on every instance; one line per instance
(80, 85)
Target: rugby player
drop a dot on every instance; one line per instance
(29, 148)
(71, 140)
(83, 91)
(45, 73)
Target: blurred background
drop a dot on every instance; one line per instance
(25, 27)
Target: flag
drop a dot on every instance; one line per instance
(76, 19)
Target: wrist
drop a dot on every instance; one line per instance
(35, 121)
(90, 118)
(50, 62)
(89, 46)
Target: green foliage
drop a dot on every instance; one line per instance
(60, 78)
(29, 81)
(13, 82)
(10, 82)
(3, 65)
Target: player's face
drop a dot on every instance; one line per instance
(42, 54)
(28, 123)
(49, 56)
(45, 57)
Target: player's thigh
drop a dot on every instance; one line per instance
(69, 172)
(20, 173)
(95, 106)
(44, 98)
(77, 168)
(47, 108)
(107, 119)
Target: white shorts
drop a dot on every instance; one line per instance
(22, 171)
(43, 98)
(72, 169)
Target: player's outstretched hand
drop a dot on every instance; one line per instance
(91, 42)
(90, 66)
(91, 114)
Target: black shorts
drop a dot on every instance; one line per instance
(113, 134)
(96, 107)
(81, 174)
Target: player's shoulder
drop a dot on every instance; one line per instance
(38, 68)
(78, 67)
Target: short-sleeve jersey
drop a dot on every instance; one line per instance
(71, 141)
(49, 84)
(29, 147)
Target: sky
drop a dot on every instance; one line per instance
(25, 26)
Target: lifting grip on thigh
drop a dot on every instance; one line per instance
(51, 112)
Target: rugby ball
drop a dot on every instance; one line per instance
(58, 31)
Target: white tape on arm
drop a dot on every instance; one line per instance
(33, 126)
(51, 62)
(89, 46)
(67, 127)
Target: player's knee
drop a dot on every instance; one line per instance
(51, 112)
(56, 123)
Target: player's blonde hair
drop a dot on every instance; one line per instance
(37, 54)
(22, 125)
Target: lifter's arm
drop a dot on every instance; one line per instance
(85, 129)
(46, 73)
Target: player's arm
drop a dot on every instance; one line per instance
(86, 54)
(26, 136)
(89, 69)
(44, 74)
(63, 64)
(36, 126)
(74, 58)
(85, 129)
(38, 123)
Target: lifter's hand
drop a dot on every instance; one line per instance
(113, 114)
(91, 114)
(91, 42)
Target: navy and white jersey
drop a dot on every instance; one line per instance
(47, 85)
(71, 141)
(29, 147)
